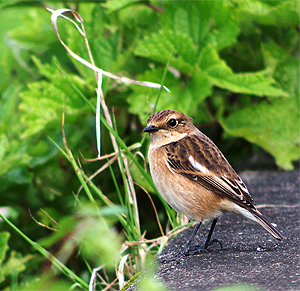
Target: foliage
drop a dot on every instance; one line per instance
(233, 67)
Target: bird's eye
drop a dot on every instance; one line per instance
(173, 122)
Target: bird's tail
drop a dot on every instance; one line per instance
(266, 225)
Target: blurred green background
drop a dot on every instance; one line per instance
(234, 69)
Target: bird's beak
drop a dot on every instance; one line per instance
(151, 128)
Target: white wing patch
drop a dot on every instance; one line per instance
(197, 165)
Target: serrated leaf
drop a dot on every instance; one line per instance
(142, 100)
(220, 74)
(43, 104)
(7, 108)
(141, 17)
(105, 43)
(36, 31)
(159, 46)
(188, 17)
(12, 154)
(187, 26)
(272, 125)
(57, 79)
(284, 66)
(278, 13)
(103, 48)
(105, 53)
(259, 83)
(208, 23)
(224, 30)
(185, 98)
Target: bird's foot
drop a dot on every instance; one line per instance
(203, 248)
(193, 250)
(177, 257)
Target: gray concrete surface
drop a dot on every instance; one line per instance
(250, 255)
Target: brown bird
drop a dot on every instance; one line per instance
(194, 177)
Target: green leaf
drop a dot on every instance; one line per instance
(277, 13)
(3, 145)
(12, 154)
(274, 126)
(44, 102)
(104, 45)
(15, 264)
(107, 247)
(56, 77)
(187, 54)
(194, 18)
(9, 102)
(115, 5)
(285, 67)
(84, 227)
(158, 47)
(220, 74)
(148, 282)
(19, 39)
(41, 105)
(4, 237)
(36, 32)
(225, 35)
(186, 98)
(187, 27)
(46, 282)
(66, 225)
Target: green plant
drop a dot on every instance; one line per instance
(232, 66)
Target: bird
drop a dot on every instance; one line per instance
(194, 178)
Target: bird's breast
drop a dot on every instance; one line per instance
(184, 195)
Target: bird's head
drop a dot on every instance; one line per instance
(168, 126)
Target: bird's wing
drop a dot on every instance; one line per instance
(203, 163)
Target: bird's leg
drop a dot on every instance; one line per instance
(186, 248)
(190, 251)
(208, 241)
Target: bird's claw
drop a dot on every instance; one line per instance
(203, 248)
(193, 250)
